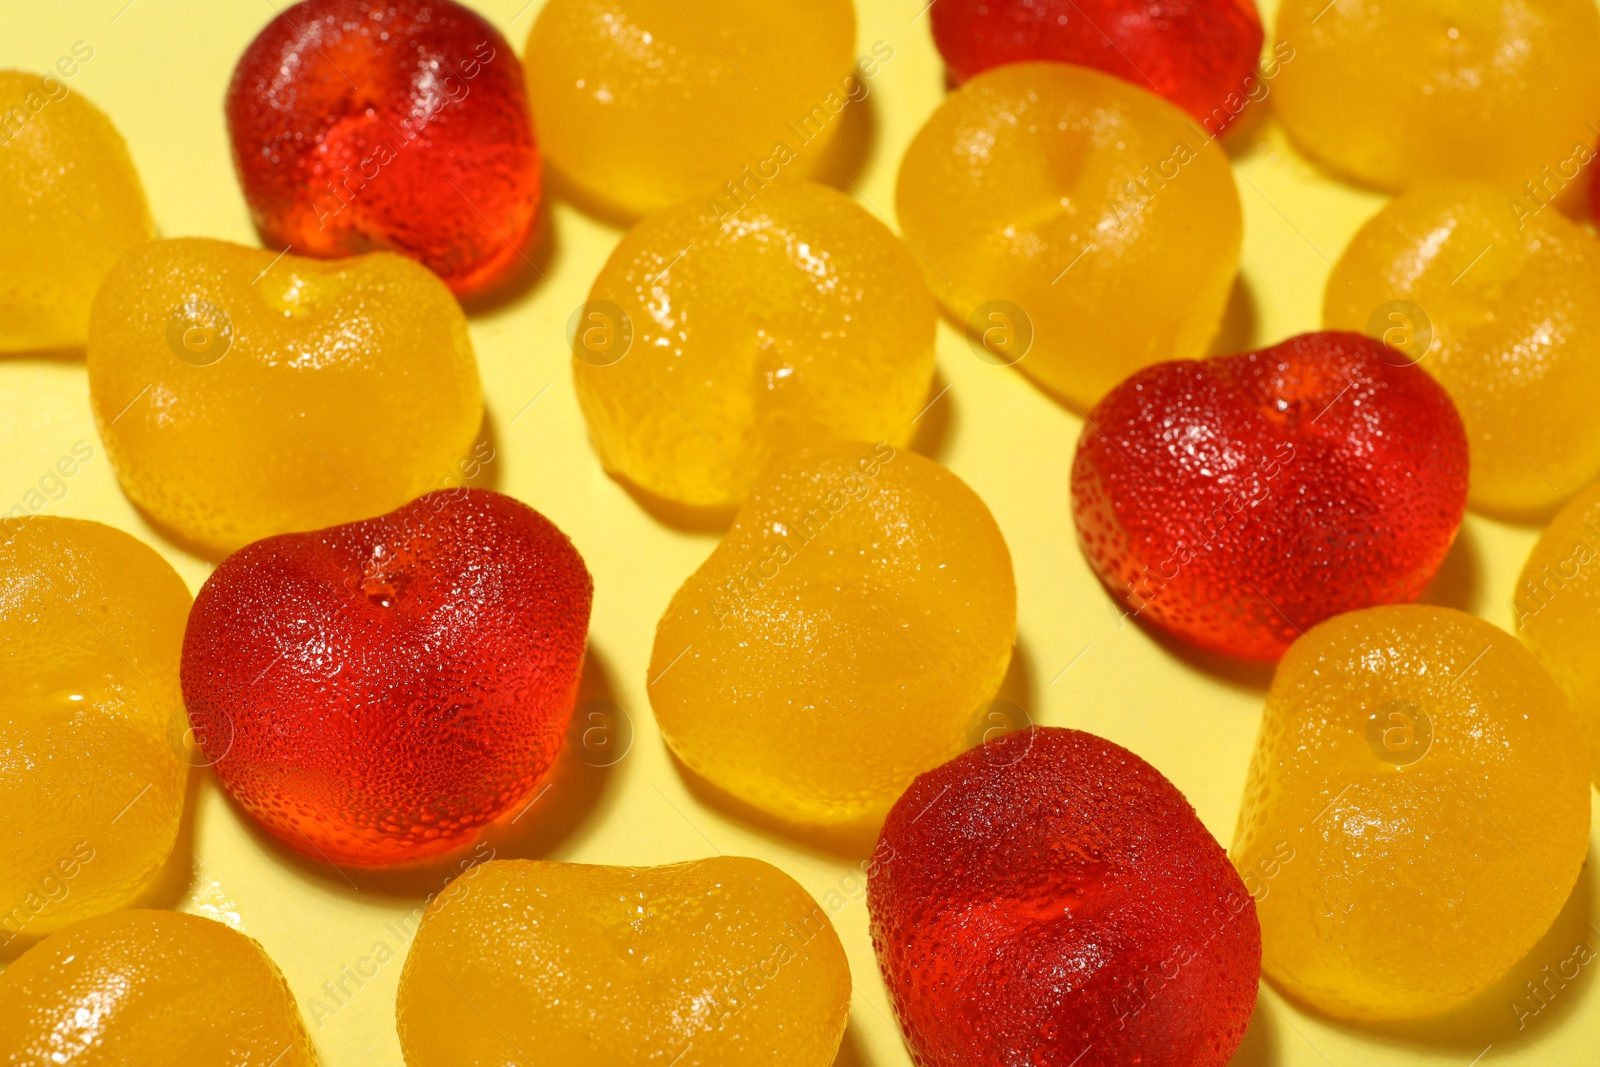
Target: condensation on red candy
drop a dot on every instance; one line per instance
(1049, 898)
(401, 125)
(1240, 500)
(376, 692)
(1199, 54)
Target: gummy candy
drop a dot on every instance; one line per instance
(91, 785)
(401, 126)
(1594, 187)
(137, 987)
(72, 204)
(861, 611)
(642, 104)
(1050, 898)
(1403, 95)
(710, 345)
(1509, 309)
(1082, 226)
(1195, 53)
(711, 963)
(1557, 606)
(1236, 501)
(1416, 812)
(377, 692)
(241, 396)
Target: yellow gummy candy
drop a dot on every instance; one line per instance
(1401, 94)
(644, 103)
(842, 639)
(713, 963)
(709, 345)
(241, 395)
(72, 203)
(1557, 606)
(1074, 221)
(1416, 812)
(91, 720)
(1505, 312)
(138, 987)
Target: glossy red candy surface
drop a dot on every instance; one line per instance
(376, 692)
(399, 125)
(1049, 898)
(1237, 501)
(1199, 54)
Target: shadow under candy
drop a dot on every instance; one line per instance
(536, 259)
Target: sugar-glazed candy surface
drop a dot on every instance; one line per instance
(149, 987)
(861, 611)
(1502, 306)
(1416, 812)
(240, 395)
(712, 342)
(645, 103)
(1200, 54)
(1401, 95)
(1237, 501)
(1050, 898)
(93, 758)
(377, 692)
(71, 201)
(1085, 212)
(401, 126)
(719, 962)
(1557, 605)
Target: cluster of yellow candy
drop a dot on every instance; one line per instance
(761, 346)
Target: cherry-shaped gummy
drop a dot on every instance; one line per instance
(376, 692)
(1049, 898)
(1199, 54)
(1238, 501)
(401, 125)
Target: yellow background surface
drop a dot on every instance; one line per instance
(160, 68)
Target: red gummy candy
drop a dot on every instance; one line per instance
(1238, 501)
(1049, 898)
(359, 125)
(1199, 54)
(376, 692)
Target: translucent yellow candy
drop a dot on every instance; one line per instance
(71, 202)
(1076, 222)
(1557, 605)
(1401, 94)
(708, 345)
(148, 987)
(91, 781)
(1416, 812)
(842, 639)
(644, 103)
(712, 963)
(242, 395)
(1510, 305)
